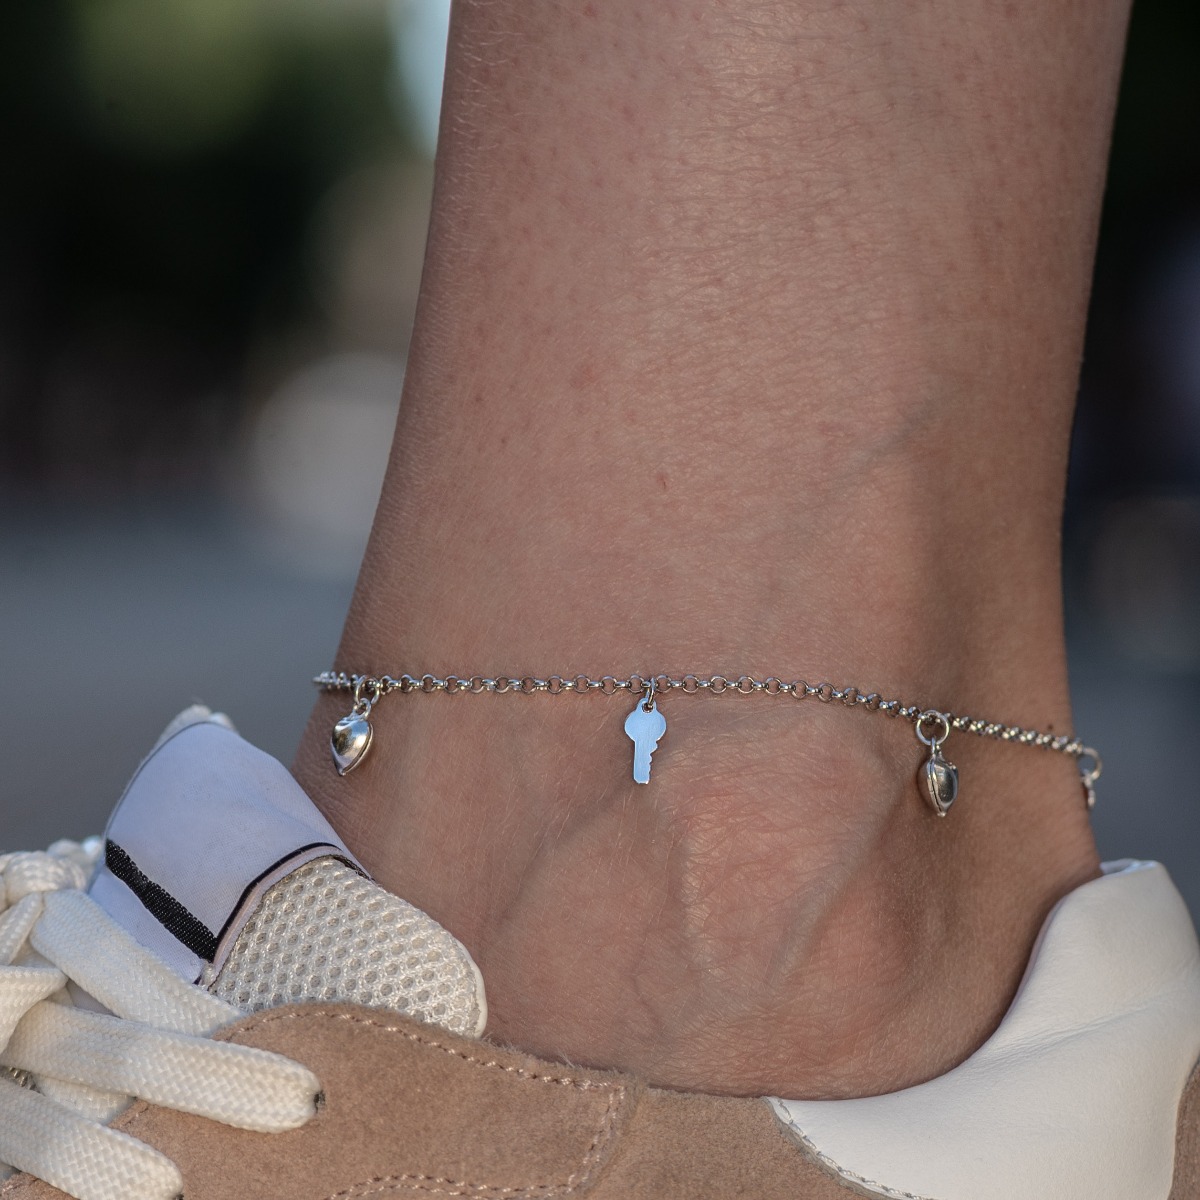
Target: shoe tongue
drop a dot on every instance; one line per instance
(217, 862)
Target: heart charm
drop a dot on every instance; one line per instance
(941, 782)
(349, 742)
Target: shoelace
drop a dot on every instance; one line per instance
(70, 1069)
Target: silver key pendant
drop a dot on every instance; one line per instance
(645, 726)
(938, 775)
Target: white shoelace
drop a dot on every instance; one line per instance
(71, 1069)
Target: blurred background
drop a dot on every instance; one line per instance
(211, 228)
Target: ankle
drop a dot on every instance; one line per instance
(777, 912)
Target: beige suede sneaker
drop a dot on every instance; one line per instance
(214, 1001)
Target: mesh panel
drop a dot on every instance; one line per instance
(326, 933)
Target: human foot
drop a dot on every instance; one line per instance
(324, 1098)
(778, 911)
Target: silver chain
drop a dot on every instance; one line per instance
(373, 687)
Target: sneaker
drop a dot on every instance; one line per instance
(215, 1001)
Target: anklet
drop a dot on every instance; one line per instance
(352, 735)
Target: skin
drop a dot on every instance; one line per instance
(748, 342)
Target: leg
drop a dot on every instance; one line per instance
(748, 343)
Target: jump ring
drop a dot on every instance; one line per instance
(931, 715)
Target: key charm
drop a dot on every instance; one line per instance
(938, 774)
(645, 726)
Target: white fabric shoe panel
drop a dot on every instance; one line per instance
(217, 862)
(327, 933)
(1075, 1095)
(205, 826)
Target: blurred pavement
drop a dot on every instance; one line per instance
(111, 622)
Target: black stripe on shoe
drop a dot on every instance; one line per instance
(161, 905)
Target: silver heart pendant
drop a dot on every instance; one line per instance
(349, 742)
(941, 782)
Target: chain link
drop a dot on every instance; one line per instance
(743, 685)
